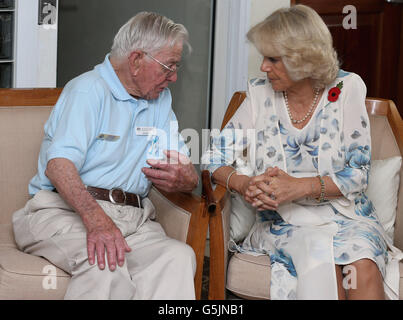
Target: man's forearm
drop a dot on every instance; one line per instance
(64, 176)
(101, 230)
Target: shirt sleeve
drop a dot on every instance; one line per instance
(228, 146)
(72, 128)
(352, 180)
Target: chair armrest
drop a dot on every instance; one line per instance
(217, 249)
(196, 233)
(207, 191)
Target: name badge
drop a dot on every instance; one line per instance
(146, 131)
(107, 137)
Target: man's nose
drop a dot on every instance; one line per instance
(173, 77)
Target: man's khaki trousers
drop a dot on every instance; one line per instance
(157, 267)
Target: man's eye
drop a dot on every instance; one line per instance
(174, 66)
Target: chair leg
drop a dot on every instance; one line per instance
(196, 238)
(217, 268)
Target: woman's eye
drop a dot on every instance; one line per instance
(271, 59)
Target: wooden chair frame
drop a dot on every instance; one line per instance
(215, 200)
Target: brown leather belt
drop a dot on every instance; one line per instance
(114, 195)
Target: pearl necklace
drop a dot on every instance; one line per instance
(308, 114)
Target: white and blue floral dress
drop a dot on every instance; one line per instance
(305, 240)
(354, 240)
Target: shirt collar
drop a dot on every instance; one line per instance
(109, 75)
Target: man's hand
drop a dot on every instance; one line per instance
(174, 174)
(104, 235)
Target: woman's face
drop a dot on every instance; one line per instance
(276, 73)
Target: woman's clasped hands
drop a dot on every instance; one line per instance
(269, 190)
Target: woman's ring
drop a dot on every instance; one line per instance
(273, 196)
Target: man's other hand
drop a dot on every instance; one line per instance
(175, 173)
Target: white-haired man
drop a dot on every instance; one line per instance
(98, 158)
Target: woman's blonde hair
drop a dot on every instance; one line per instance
(300, 37)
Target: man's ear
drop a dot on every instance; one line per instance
(135, 60)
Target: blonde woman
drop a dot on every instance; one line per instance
(310, 158)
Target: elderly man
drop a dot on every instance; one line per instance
(100, 153)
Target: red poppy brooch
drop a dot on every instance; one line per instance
(334, 92)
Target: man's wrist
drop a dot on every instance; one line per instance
(95, 218)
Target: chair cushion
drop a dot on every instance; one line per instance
(21, 132)
(7, 235)
(383, 187)
(249, 277)
(383, 142)
(24, 276)
(174, 220)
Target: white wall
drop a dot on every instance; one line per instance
(36, 48)
(259, 10)
(235, 60)
(230, 54)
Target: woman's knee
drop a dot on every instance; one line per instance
(366, 270)
(368, 283)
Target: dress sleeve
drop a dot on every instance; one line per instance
(352, 180)
(228, 146)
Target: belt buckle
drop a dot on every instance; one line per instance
(113, 200)
(139, 200)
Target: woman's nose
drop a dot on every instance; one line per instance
(265, 66)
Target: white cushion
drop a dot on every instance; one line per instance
(241, 219)
(383, 186)
(242, 215)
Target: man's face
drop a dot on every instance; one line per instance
(152, 77)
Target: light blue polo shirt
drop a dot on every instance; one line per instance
(107, 133)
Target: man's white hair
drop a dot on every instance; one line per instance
(149, 32)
